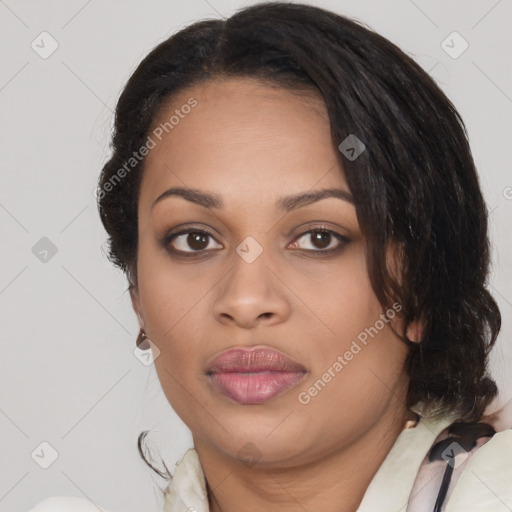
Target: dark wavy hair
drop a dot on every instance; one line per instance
(415, 184)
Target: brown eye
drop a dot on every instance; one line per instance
(189, 241)
(321, 241)
(197, 241)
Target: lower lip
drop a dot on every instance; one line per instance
(255, 387)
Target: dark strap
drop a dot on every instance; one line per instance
(465, 435)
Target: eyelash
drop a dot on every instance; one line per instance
(169, 237)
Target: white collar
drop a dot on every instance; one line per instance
(388, 490)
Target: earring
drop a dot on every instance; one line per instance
(142, 341)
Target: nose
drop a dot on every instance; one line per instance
(251, 294)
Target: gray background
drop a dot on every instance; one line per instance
(68, 373)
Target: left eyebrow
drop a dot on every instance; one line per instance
(286, 203)
(289, 203)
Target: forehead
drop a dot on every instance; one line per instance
(242, 138)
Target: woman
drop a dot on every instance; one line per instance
(296, 208)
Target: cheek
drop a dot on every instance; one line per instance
(367, 361)
(170, 307)
(358, 363)
(355, 384)
(164, 290)
(342, 298)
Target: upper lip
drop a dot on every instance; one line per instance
(253, 360)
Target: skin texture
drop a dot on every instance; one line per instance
(251, 144)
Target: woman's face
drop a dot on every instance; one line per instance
(259, 279)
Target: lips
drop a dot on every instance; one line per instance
(254, 360)
(253, 376)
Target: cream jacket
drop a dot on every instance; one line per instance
(483, 485)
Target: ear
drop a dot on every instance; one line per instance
(394, 260)
(415, 332)
(135, 297)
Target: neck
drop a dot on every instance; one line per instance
(333, 482)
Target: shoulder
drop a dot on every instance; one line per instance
(66, 504)
(467, 468)
(485, 483)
